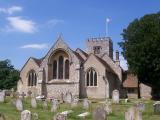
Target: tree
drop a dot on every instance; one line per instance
(141, 48)
(8, 75)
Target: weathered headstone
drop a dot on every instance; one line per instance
(141, 106)
(26, 115)
(33, 103)
(74, 102)
(12, 93)
(29, 93)
(156, 107)
(133, 113)
(45, 104)
(115, 96)
(65, 113)
(19, 105)
(68, 97)
(59, 116)
(108, 108)
(86, 103)
(99, 114)
(55, 105)
(2, 96)
(35, 116)
(2, 117)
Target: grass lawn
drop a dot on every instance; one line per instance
(11, 113)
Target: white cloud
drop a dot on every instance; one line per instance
(35, 46)
(54, 22)
(20, 25)
(11, 10)
(123, 62)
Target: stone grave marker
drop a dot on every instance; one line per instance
(86, 103)
(55, 105)
(2, 96)
(19, 104)
(33, 103)
(68, 97)
(45, 104)
(99, 114)
(141, 106)
(74, 102)
(83, 115)
(133, 113)
(108, 108)
(65, 113)
(59, 116)
(156, 107)
(26, 115)
(35, 116)
(115, 96)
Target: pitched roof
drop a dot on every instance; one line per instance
(130, 81)
(79, 56)
(85, 54)
(38, 61)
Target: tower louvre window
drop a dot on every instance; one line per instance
(97, 49)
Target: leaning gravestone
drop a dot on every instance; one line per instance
(2, 96)
(68, 97)
(2, 117)
(86, 103)
(59, 116)
(19, 105)
(133, 113)
(26, 115)
(115, 96)
(99, 114)
(156, 107)
(55, 105)
(33, 103)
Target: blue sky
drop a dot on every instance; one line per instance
(30, 27)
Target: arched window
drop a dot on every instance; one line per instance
(60, 68)
(32, 78)
(54, 69)
(91, 78)
(67, 69)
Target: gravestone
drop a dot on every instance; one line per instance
(74, 102)
(23, 95)
(68, 97)
(55, 105)
(108, 108)
(141, 107)
(26, 115)
(83, 115)
(2, 96)
(59, 116)
(29, 93)
(2, 117)
(33, 103)
(19, 105)
(45, 104)
(35, 116)
(99, 114)
(133, 113)
(115, 96)
(86, 103)
(156, 107)
(12, 93)
(62, 98)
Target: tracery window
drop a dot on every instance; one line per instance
(60, 67)
(91, 77)
(67, 69)
(32, 78)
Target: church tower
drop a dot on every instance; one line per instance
(100, 46)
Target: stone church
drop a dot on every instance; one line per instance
(92, 73)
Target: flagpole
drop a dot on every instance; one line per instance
(107, 27)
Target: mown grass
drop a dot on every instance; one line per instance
(11, 113)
